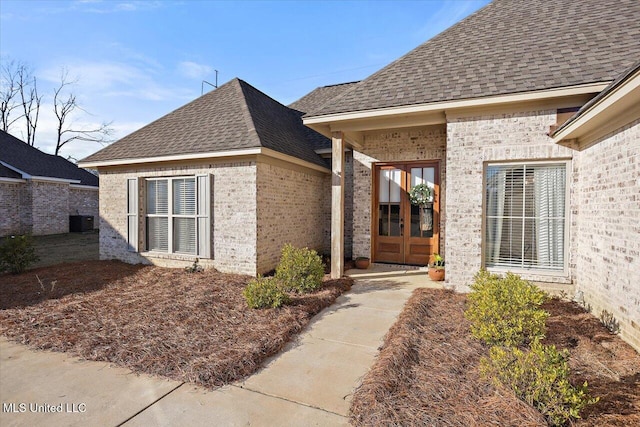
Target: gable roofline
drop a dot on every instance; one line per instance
(324, 123)
(616, 104)
(203, 156)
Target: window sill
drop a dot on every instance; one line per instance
(543, 276)
(166, 255)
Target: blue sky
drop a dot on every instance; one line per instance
(135, 61)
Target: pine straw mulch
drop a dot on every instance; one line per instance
(427, 372)
(193, 327)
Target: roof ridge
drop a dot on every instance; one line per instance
(340, 84)
(246, 113)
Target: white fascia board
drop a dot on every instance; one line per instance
(465, 103)
(84, 187)
(52, 179)
(201, 156)
(175, 157)
(621, 98)
(13, 180)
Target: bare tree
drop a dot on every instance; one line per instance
(64, 104)
(28, 90)
(19, 91)
(8, 92)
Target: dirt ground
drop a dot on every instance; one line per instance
(193, 327)
(427, 372)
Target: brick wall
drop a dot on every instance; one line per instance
(385, 146)
(15, 200)
(233, 195)
(291, 209)
(84, 201)
(472, 141)
(608, 228)
(50, 209)
(42, 207)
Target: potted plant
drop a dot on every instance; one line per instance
(436, 268)
(362, 262)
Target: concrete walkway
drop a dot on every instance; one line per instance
(310, 383)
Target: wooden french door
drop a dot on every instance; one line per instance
(404, 233)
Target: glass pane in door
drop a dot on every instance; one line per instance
(389, 202)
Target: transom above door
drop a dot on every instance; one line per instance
(404, 233)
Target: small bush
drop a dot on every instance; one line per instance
(540, 377)
(195, 267)
(505, 311)
(300, 270)
(265, 292)
(17, 253)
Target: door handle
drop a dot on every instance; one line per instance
(401, 226)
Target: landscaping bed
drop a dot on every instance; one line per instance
(427, 372)
(193, 327)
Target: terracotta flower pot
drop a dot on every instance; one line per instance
(362, 263)
(436, 274)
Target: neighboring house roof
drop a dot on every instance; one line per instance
(17, 155)
(234, 116)
(314, 100)
(507, 47)
(5, 172)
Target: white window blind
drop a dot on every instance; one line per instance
(184, 211)
(525, 216)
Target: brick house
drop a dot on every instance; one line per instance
(39, 191)
(228, 178)
(523, 119)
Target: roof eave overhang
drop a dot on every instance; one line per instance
(434, 112)
(619, 107)
(204, 156)
(27, 176)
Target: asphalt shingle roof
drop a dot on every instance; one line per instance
(509, 46)
(316, 99)
(34, 162)
(320, 96)
(234, 116)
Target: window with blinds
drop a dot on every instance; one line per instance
(525, 212)
(177, 215)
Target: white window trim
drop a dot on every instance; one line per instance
(564, 272)
(205, 253)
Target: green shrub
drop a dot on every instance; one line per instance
(300, 270)
(540, 377)
(505, 310)
(265, 292)
(17, 253)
